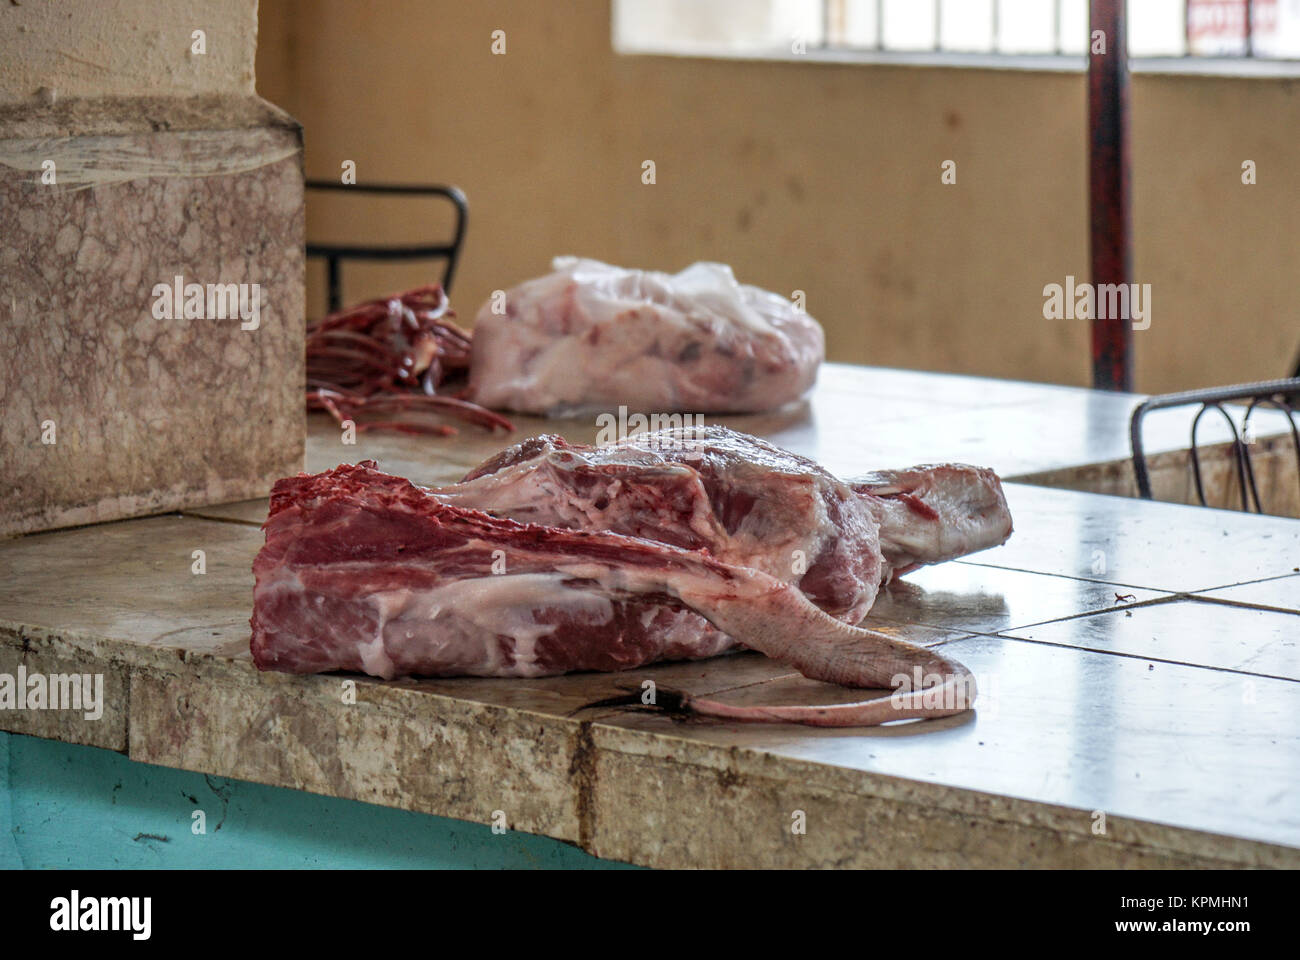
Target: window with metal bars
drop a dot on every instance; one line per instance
(1166, 31)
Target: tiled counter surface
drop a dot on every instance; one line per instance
(860, 419)
(1138, 664)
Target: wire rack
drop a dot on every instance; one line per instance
(1281, 395)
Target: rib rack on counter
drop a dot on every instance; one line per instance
(652, 549)
(589, 337)
(381, 363)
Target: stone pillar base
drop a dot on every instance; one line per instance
(123, 390)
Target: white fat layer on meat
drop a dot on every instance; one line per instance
(771, 548)
(492, 606)
(526, 492)
(681, 582)
(782, 536)
(374, 658)
(971, 509)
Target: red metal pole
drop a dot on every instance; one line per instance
(1108, 188)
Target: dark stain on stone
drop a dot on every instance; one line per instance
(150, 836)
(744, 219)
(582, 773)
(952, 119)
(622, 700)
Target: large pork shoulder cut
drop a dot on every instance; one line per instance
(589, 336)
(554, 557)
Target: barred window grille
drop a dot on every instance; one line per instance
(1258, 29)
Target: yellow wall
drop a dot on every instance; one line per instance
(802, 175)
(93, 48)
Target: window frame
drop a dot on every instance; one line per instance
(1244, 66)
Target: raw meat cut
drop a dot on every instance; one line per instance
(751, 503)
(590, 337)
(663, 546)
(745, 501)
(392, 357)
(364, 571)
(935, 512)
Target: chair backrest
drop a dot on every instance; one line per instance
(335, 253)
(1279, 394)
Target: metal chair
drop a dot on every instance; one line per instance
(1280, 394)
(335, 253)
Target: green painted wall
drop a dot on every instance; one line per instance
(64, 806)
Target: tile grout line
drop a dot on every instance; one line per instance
(1242, 604)
(1115, 583)
(1170, 598)
(1248, 583)
(1067, 576)
(1134, 656)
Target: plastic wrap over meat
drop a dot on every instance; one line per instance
(590, 337)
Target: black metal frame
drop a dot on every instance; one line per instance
(335, 253)
(1281, 394)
